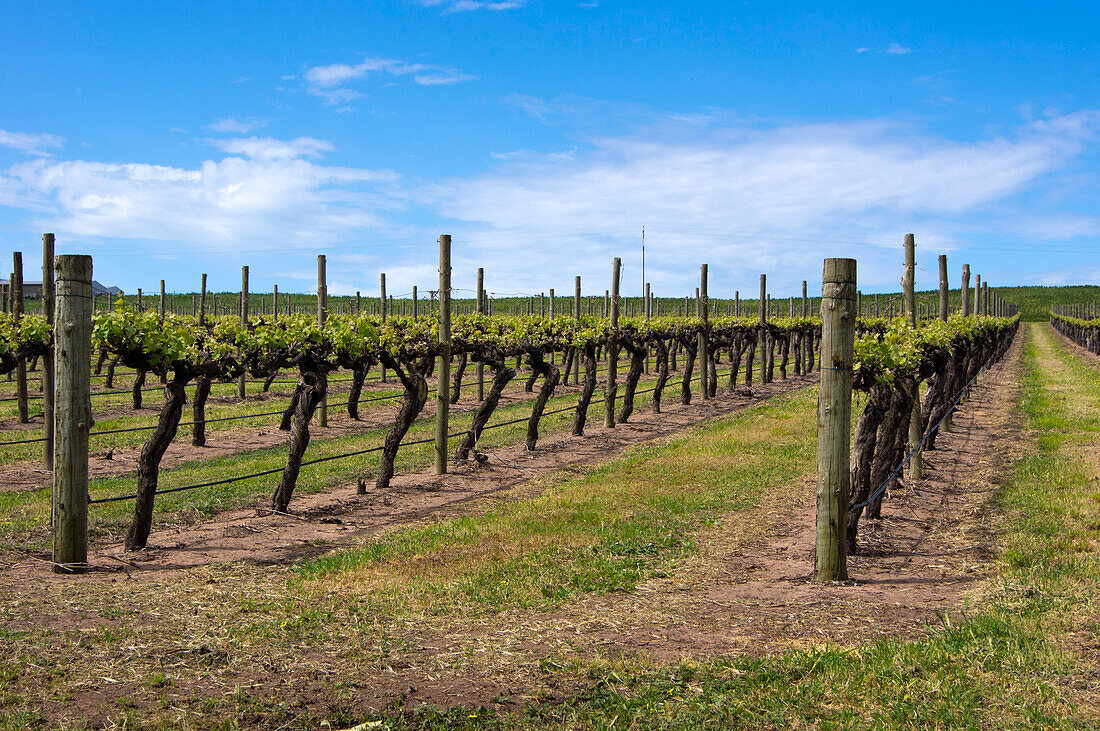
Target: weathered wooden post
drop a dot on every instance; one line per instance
(763, 325)
(834, 407)
(916, 422)
(414, 305)
(943, 287)
(977, 307)
(576, 315)
(612, 348)
(704, 357)
(322, 315)
(73, 413)
(943, 316)
(17, 315)
(481, 311)
(48, 395)
(382, 302)
(965, 294)
(244, 321)
(275, 302)
(443, 369)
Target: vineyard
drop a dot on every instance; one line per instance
(272, 475)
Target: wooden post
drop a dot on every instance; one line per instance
(443, 368)
(48, 395)
(965, 293)
(481, 311)
(322, 315)
(202, 301)
(834, 407)
(612, 350)
(275, 302)
(358, 302)
(805, 301)
(162, 305)
(576, 315)
(916, 423)
(648, 305)
(73, 415)
(414, 306)
(763, 322)
(704, 310)
(17, 315)
(737, 303)
(977, 310)
(985, 298)
(382, 302)
(244, 321)
(943, 287)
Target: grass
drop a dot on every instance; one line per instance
(625, 522)
(1024, 658)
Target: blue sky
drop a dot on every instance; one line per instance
(167, 141)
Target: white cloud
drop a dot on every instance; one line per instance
(459, 6)
(896, 49)
(231, 125)
(269, 196)
(328, 82)
(269, 148)
(32, 144)
(755, 197)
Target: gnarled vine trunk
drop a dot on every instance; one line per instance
(550, 378)
(637, 362)
(313, 384)
(198, 410)
(587, 390)
(662, 374)
(412, 377)
(502, 376)
(456, 384)
(149, 462)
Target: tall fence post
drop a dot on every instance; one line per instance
(704, 357)
(73, 413)
(481, 311)
(17, 315)
(834, 409)
(916, 422)
(965, 293)
(576, 315)
(443, 384)
(763, 322)
(612, 349)
(322, 315)
(382, 310)
(162, 306)
(202, 302)
(244, 321)
(943, 316)
(48, 395)
(977, 308)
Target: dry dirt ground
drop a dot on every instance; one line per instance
(746, 591)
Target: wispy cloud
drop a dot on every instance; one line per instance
(31, 144)
(329, 82)
(459, 6)
(894, 49)
(262, 193)
(231, 125)
(269, 148)
(761, 196)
